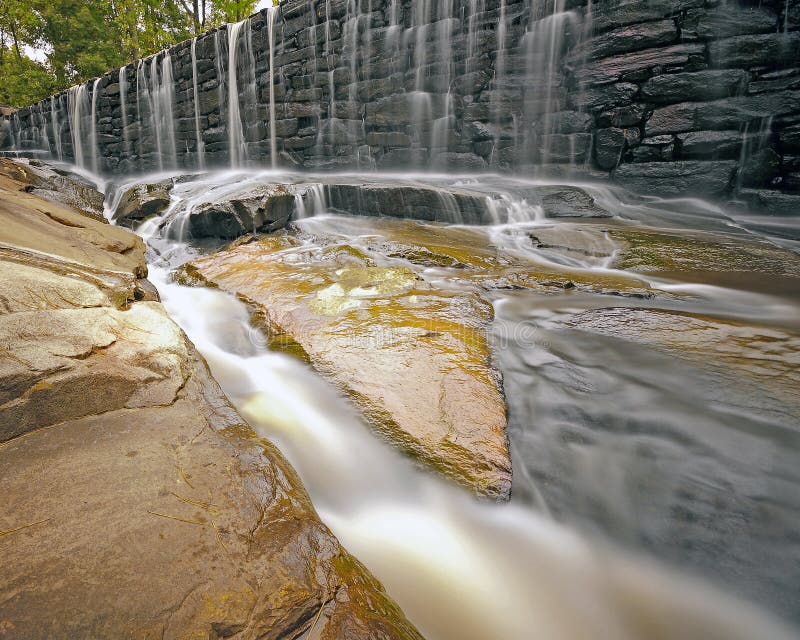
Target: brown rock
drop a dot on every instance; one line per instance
(414, 358)
(56, 186)
(136, 501)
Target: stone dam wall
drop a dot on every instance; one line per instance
(670, 97)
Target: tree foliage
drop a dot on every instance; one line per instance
(82, 40)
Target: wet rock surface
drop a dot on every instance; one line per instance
(142, 201)
(122, 464)
(414, 358)
(56, 185)
(265, 208)
(396, 313)
(678, 179)
(743, 263)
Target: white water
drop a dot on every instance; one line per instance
(273, 136)
(56, 128)
(236, 142)
(200, 148)
(123, 99)
(78, 102)
(93, 136)
(460, 569)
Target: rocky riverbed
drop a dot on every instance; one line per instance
(634, 359)
(137, 502)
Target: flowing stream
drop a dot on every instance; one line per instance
(622, 452)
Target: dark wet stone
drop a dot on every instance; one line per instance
(677, 179)
(730, 113)
(624, 12)
(770, 49)
(563, 201)
(710, 144)
(264, 209)
(640, 65)
(760, 169)
(700, 85)
(627, 39)
(459, 161)
(771, 202)
(143, 200)
(727, 20)
(609, 145)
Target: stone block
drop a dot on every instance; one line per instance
(730, 113)
(710, 144)
(627, 39)
(677, 179)
(642, 65)
(608, 147)
(769, 49)
(697, 86)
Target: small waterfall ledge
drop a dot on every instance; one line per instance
(669, 97)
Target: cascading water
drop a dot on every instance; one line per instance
(56, 128)
(93, 135)
(123, 99)
(163, 90)
(236, 135)
(273, 135)
(142, 109)
(462, 569)
(78, 105)
(198, 134)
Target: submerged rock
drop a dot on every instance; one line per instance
(122, 464)
(718, 258)
(565, 201)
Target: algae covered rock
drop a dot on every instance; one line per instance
(710, 258)
(415, 358)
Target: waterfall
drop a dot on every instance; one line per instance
(236, 143)
(273, 140)
(198, 135)
(219, 66)
(41, 128)
(141, 103)
(475, 8)
(123, 99)
(496, 110)
(56, 128)
(351, 29)
(93, 135)
(395, 26)
(442, 126)
(311, 202)
(469, 78)
(77, 105)
(163, 90)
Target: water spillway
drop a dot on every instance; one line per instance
(678, 97)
